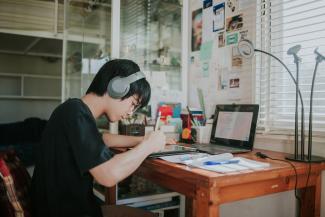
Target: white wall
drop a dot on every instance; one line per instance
(275, 205)
(220, 66)
(286, 144)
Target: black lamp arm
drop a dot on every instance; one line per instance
(300, 96)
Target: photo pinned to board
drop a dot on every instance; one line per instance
(218, 17)
(243, 34)
(196, 29)
(195, 66)
(207, 21)
(234, 83)
(232, 38)
(236, 58)
(232, 7)
(221, 39)
(223, 78)
(234, 23)
(207, 3)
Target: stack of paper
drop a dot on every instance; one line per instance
(223, 163)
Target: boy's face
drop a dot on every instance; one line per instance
(120, 109)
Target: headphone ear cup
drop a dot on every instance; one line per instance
(117, 88)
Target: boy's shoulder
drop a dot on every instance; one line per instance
(72, 107)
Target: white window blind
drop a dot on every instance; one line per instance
(281, 25)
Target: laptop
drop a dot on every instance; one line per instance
(233, 129)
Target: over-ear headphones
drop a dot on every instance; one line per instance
(120, 86)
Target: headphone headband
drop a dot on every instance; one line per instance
(134, 77)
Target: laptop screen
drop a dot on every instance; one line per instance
(235, 125)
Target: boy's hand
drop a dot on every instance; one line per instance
(171, 142)
(155, 141)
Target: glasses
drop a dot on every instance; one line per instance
(135, 104)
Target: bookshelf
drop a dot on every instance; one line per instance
(138, 192)
(42, 47)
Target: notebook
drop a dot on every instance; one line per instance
(233, 129)
(173, 150)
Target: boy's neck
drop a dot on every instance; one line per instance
(94, 104)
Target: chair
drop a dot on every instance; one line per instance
(14, 186)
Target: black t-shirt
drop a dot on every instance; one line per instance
(71, 145)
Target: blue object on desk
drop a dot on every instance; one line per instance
(209, 163)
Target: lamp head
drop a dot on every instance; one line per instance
(294, 50)
(246, 48)
(319, 57)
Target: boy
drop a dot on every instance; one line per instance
(73, 153)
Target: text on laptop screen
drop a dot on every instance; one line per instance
(234, 125)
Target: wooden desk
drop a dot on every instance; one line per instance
(205, 190)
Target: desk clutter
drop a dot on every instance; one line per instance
(167, 119)
(187, 125)
(222, 163)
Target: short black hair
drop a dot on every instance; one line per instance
(122, 68)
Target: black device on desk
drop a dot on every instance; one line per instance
(233, 129)
(173, 150)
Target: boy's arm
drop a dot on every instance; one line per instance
(121, 141)
(122, 165)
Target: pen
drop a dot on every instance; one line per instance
(190, 114)
(157, 122)
(209, 163)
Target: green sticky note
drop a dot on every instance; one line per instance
(206, 50)
(232, 39)
(205, 69)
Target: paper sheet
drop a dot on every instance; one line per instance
(198, 159)
(207, 33)
(244, 164)
(218, 17)
(206, 50)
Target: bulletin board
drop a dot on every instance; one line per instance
(215, 66)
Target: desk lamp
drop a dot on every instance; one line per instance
(319, 58)
(293, 51)
(246, 49)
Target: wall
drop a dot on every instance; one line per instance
(215, 65)
(211, 68)
(286, 144)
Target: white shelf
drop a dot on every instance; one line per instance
(146, 198)
(30, 97)
(34, 33)
(20, 92)
(30, 75)
(52, 35)
(150, 200)
(45, 19)
(167, 208)
(98, 194)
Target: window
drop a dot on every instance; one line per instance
(281, 25)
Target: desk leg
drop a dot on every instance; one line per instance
(310, 199)
(110, 195)
(205, 204)
(189, 207)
